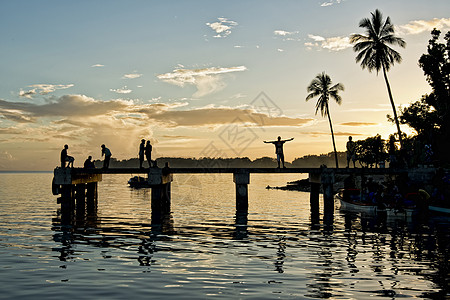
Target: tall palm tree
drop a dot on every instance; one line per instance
(321, 86)
(374, 52)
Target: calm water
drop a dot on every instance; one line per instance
(203, 250)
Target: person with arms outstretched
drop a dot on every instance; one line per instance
(279, 149)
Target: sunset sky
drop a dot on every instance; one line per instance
(197, 78)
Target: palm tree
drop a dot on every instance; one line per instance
(321, 87)
(374, 52)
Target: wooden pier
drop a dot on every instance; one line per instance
(78, 186)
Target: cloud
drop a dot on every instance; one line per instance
(28, 94)
(332, 43)
(207, 80)
(419, 26)
(280, 50)
(97, 66)
(131, 76)
(329, 3)
(15, 116)
(318, 133)
(43, 89)
(287, 35)
(80, 111)
(284, 32)
(222, 27)
(358, 124)
(123, 90)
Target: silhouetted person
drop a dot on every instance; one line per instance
(351, 152)
(107, 153)
(148, 153)
(88, 163)
(141, 153)
(65, 157)
(279, 149)
(392, 151)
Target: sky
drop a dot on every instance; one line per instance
(196, 78)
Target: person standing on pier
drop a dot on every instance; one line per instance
(148, 153)
(65, 157)
(141, 153)
(107, 153)
(279, 149)
(351, 152)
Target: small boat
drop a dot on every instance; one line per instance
(138, 182)
(439, 209)
(350, 199)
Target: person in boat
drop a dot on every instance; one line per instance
(88, 163)
(279, 149)
(148, 153)
(351, 152)
(141, 153)
(107, 153)
(66, 158)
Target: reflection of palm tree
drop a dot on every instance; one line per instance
(374, 52)
(321, 87)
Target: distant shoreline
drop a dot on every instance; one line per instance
(19, 171)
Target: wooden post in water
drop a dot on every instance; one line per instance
(241, 180)
(160, 183)
(80, 197)
(327, 179)
(91, 198)
(314, 181)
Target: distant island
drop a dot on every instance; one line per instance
(307, 161)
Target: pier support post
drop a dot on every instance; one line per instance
(327, 179)
(161, 189)
(241, 181)
(314, 181)
(91, 198)
(80, 197)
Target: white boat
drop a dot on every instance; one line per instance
(350, 200)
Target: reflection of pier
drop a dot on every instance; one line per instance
(78, 184)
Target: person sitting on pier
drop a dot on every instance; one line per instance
(141, 153)
(65, 157)
(107, 153)
(279, 149)
(148, 153)
(88, 163)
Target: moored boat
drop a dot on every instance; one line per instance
(138, 182)
(352, 200)
(439, 209)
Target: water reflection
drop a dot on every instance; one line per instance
(351, 254)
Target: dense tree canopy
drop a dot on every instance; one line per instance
(429, 116)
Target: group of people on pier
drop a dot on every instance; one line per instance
(88, 163)
(145, 150)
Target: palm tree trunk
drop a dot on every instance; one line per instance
(393, 108)
(332, 137)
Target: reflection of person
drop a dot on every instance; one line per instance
(351, 152)
(141, 153)
(107, 153)
(65, 157)
(279, 149)
(88, 163)
(148, 153)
